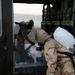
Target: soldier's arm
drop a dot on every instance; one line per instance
(50, 56)
(27, 38)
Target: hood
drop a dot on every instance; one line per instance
(41, 36)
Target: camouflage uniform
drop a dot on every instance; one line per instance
(61, 67)
(56, 65)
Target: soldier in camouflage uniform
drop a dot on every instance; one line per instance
(58, 64)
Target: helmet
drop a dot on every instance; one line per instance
(64, 37)
(30, 24)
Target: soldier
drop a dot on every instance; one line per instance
(58, 64)
(25, 29)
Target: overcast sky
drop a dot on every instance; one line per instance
(20, 8)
